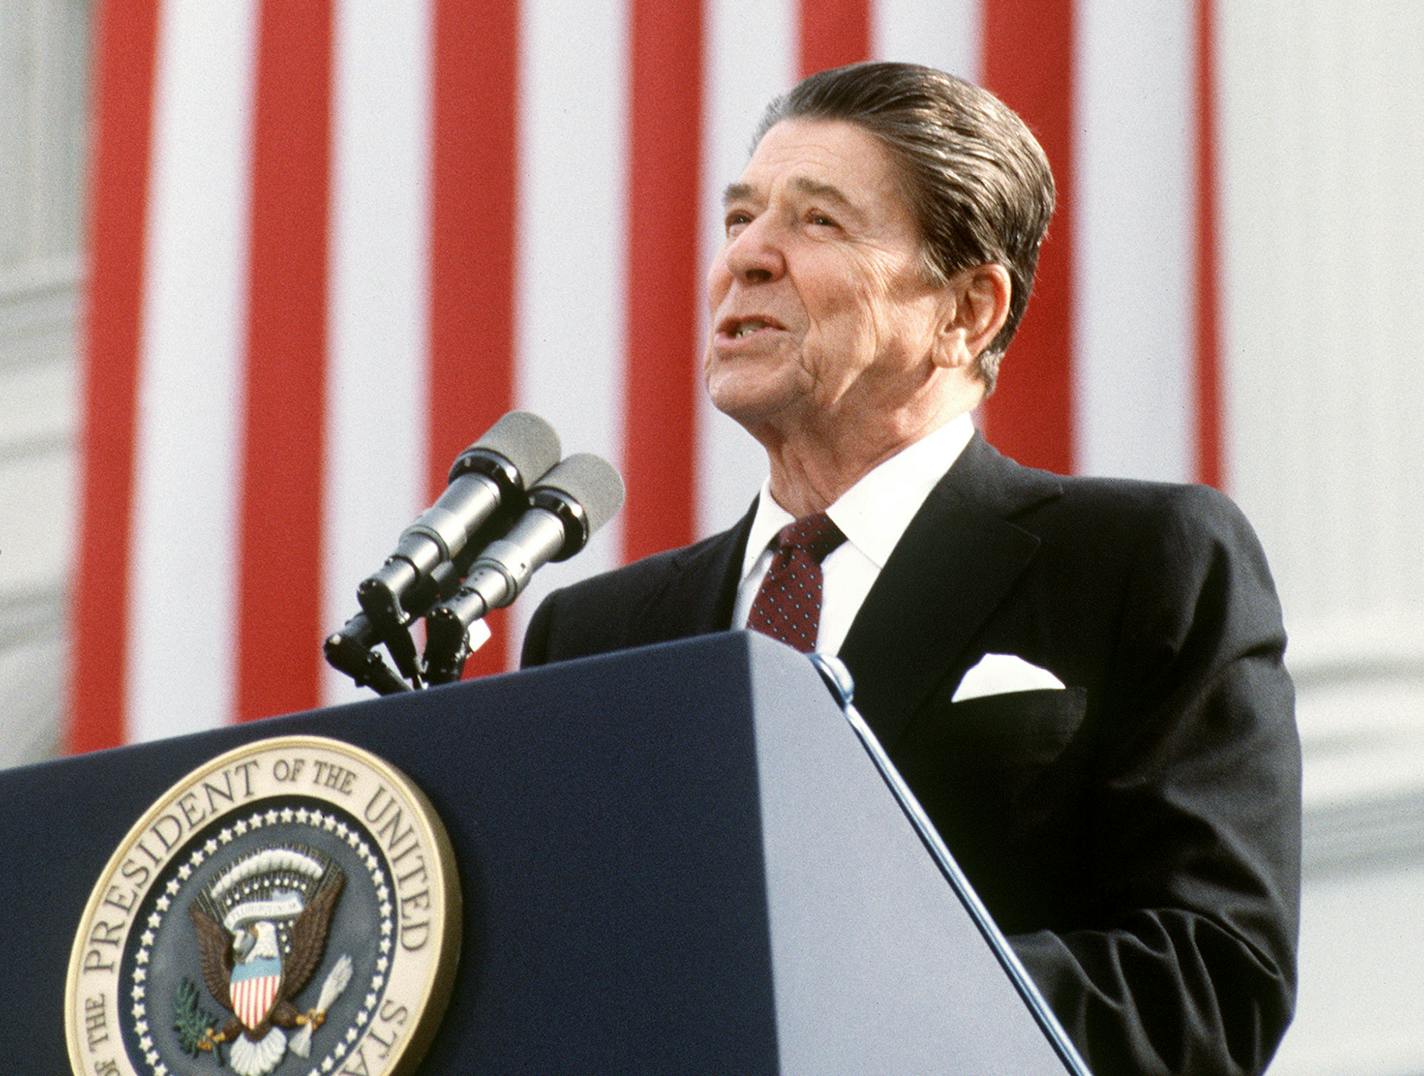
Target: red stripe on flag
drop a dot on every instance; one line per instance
(1028, 62)
(663, 276)
(279, 596)
(1208, 343)
(472, 252)
(833, 33)
(118, 195)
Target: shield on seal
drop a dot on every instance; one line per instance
(253, 989)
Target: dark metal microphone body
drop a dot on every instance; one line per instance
(571, 502)
(491, 474)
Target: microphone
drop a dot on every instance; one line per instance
(492, 473)
(568, 504)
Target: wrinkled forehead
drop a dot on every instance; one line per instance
(826, 159)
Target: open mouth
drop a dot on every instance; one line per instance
(740, 328)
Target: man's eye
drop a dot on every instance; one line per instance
(735, 222)
(820, 220)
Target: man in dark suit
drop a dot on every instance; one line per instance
(1081, 679)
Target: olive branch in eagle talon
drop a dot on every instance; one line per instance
(192, 1022)
(247, 974)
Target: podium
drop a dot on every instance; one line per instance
(675, 859)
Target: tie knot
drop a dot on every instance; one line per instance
(816, 534)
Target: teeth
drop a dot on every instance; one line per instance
(748, 327)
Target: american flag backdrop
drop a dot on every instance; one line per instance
(333, 240)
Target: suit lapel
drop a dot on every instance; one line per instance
(700, 591)
(955, 564)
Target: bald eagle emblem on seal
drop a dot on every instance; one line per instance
(262, 928)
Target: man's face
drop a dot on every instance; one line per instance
(820, 307)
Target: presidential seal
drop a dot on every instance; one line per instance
(290, 907)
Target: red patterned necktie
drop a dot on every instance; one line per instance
(788, 605)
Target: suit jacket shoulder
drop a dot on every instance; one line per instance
(1138, 833)
(670, 595)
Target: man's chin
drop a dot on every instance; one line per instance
(752, 391)
(751, 407)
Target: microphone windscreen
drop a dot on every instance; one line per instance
(526, 441)
(591, 482)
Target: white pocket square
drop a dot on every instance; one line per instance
(999, 674)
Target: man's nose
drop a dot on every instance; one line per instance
(754, 255)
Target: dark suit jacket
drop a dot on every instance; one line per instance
(1136, 835)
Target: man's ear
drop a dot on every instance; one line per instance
(976, 308)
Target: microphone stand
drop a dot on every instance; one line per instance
(351, 650)
(447, 647)
(402, 649)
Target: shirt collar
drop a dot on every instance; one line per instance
(874, 512)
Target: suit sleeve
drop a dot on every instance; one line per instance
(1196, 851)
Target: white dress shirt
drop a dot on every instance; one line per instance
(872, 514)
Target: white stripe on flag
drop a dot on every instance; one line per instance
(1133, 240)
(572, 193)
(181, 602)
(751, 57)
(944, 34)
(377, 372)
